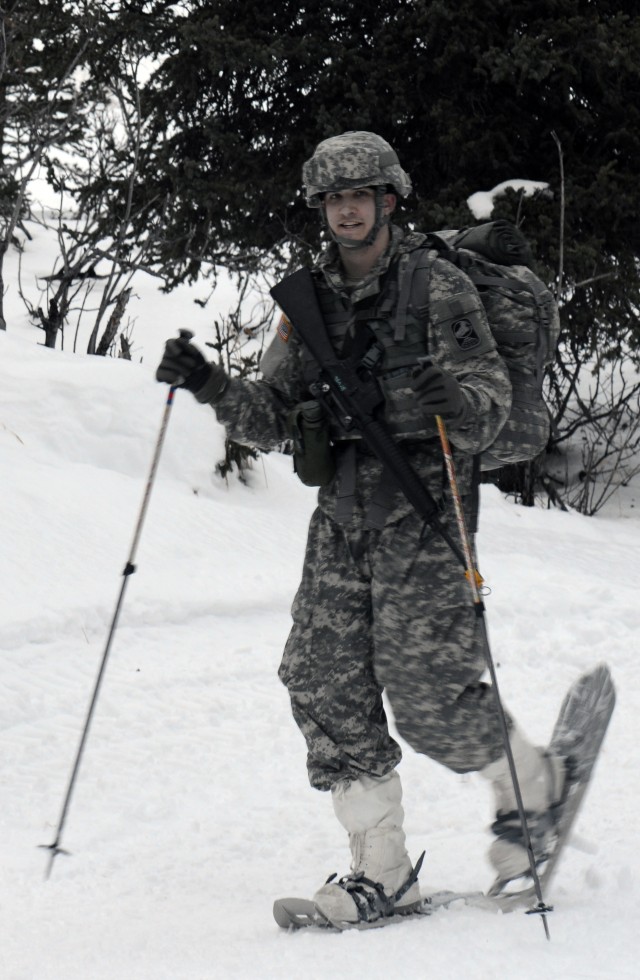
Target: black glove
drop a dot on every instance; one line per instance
(184, 366)
(440, 394)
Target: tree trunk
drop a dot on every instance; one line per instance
(52, 322)
(113, 325)
(3, 251)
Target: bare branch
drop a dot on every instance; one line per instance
(560, 276)
(3, 43)
(603, 275)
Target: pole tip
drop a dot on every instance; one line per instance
(54, 849)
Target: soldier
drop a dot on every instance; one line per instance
(383, 603)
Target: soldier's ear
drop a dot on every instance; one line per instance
(390, 201)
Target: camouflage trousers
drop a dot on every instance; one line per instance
(388, 610)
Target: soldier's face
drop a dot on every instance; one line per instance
(351, 214)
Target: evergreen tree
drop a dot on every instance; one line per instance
(470, 94)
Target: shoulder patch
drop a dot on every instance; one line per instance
(460, 320)
(464, 334)
(284, 329)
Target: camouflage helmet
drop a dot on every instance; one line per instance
(354, 159)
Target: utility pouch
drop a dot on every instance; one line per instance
(313, 458)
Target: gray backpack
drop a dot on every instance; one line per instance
(523, 317)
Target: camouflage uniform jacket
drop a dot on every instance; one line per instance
(255, 412)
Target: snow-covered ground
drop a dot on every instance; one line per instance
(192, 810)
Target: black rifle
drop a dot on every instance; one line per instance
(353, 394)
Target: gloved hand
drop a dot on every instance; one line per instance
(440, 394)
(184, 366)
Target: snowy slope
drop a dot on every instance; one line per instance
(192, 810)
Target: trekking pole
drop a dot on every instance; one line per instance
(475, 581)
(55, 848)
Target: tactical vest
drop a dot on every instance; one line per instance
(398, 324)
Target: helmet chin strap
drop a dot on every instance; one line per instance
(381, 219)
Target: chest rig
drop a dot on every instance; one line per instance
(386, 333)
(390, 330)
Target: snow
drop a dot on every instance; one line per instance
(481, 202)
(192, 810)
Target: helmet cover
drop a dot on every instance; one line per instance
(353, 159)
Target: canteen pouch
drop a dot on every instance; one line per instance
(313, 459)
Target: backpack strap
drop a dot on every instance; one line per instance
(500, 282)
(418, 259)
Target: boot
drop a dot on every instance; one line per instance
(542, 778)
(369, 808)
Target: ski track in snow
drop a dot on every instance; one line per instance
(192, 810)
